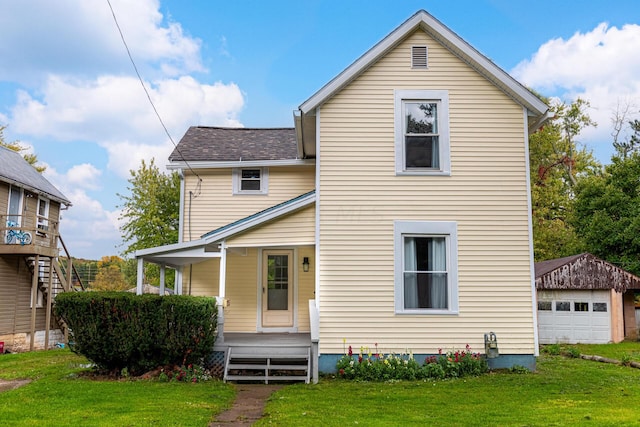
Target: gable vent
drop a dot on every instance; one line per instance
(418, 57)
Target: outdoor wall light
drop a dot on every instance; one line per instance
(305, 264)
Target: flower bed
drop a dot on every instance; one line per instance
(370, 365)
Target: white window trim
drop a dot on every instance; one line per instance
(43, 220)
(264, 181)
(447, 229)
(442, 98)
(20, 204)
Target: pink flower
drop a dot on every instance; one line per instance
(350, 351)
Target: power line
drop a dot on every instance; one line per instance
(155, 110)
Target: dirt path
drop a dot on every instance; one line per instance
(10, 385)
(248, 406)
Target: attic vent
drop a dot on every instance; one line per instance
(418, 57)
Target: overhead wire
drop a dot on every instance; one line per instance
(196, 193)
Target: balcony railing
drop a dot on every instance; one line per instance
(25, 230)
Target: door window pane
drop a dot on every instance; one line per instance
(277, 282)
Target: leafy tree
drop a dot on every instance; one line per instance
(150, 214)
(31, 158)
(110, 276)
(557, 164)
(607, 212)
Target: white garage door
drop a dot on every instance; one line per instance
(573, 317)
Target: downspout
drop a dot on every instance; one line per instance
(304, 155)
(177, 287)
(532, 278)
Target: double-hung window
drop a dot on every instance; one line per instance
(250, 180)
(422, 132)
(426, 264)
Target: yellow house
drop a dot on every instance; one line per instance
(396, 213)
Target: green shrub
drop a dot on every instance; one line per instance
(552, 349)
(120, 330)
(572, 352)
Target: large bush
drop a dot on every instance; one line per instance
(118, 330)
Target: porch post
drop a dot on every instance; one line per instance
(140, 277)
(162, 271)
(34, 300)
(177, 289)
(223, 269)
(220, 301)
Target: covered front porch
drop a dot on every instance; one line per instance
(263, 277)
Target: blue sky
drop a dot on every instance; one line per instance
(67, 88)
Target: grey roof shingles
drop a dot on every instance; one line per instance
(202, 143)
(15, 170)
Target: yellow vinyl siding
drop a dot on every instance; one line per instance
(242, 287)
(298, 228)
(215, 205)
(361, 196)
(306, 286)
(202, 279)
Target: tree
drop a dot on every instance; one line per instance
(557, 164)
(623, 123)
(151, 214)
(110, 276)
(31, 158)
(607, 212)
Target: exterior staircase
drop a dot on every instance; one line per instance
(270, 361)
(63, 278)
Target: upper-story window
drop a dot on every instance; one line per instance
(43, 214)
(422, 132)
(250, 181)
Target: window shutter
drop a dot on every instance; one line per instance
(418, 57)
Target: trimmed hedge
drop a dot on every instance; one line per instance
(118, 330)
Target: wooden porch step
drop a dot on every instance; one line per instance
(267, 378)
(268, 364)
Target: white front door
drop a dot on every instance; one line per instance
(277, 288)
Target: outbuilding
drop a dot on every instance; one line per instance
(584, 299)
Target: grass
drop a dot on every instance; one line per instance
(562, 392)
(58, 396)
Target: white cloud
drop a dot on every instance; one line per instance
(80, 37)
(601, 66)
(126, 156)
(112, 108)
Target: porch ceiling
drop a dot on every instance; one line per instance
(178, 258)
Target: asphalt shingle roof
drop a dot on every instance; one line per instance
(202, 143)
(14, 169)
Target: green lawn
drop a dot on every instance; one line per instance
(562, 392)
(57, 396)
